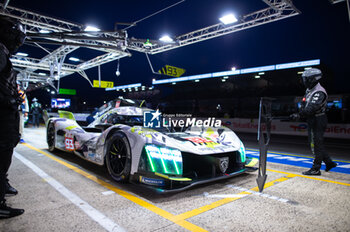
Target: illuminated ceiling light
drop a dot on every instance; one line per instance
(228, 19)
(174, 83)
(84, 103)
(91, 28)
(104, 102)
(42, 74)
(233, 68)
(74, 59)
(150, 88)
(223, 80)
(225, 77)
(43, 31)
(52, 92)
(307, 68)
(137, 89)
(300, 72)
(21, 54)
(48, 90)
(261, 73)
(257, 77)
(166, 39)
(196, 80)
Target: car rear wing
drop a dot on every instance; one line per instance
(66, 114)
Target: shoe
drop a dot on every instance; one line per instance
(10, 191)
(8, 212)
(330, 166)
(312, 172)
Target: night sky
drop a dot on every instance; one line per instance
(322, 31)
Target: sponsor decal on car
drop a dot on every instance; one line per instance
(151, 181)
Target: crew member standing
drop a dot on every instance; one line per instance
(36, 112)
(11, 38)
(314, 110)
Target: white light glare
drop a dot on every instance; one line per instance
(174, 83)
(307, 68)
(42, 74)
(228, 19)
(52, 92)
(225, 77)
(74, 59)
(21, 54)
(233, 68)
(300, 72)
(261, 73)
(196, 80)
(43, 31)
(166, 39)
(257, 77)
(91, 28)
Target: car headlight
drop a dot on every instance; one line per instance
(242, 152)
(164, 159)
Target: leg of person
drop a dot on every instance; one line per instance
(5, 158)
(321, 125)
(315, 169)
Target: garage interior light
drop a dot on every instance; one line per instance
(228, 19)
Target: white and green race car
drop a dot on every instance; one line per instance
(166, 159)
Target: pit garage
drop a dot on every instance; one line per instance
(60, 170)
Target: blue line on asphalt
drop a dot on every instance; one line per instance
(300, 161)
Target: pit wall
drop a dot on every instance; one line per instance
(285, 128)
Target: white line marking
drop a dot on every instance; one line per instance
(206, 194)
(93, 213)
(259, 194)
(108, 192)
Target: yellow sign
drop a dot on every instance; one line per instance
(172, 71)
(104, 84)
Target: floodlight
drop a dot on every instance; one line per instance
(21, 54)
(43, 31)
(228, 19)
(91, 28)
(74, 59)
(166, 39)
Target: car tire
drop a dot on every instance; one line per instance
(51, 137)
(118, 157)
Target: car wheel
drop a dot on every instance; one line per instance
(118, 157)
(51, 137)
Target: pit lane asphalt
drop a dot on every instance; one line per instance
(60, 200)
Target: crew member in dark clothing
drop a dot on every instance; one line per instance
(11, 38)
(313, 108)
(36, 112)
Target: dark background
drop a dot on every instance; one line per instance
(321, 31)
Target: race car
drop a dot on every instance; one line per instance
(167, 159)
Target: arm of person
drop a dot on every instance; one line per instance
(315, 103)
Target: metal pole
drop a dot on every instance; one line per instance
(348, 4)
(99, 75)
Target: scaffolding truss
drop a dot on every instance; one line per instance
(116, 44)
